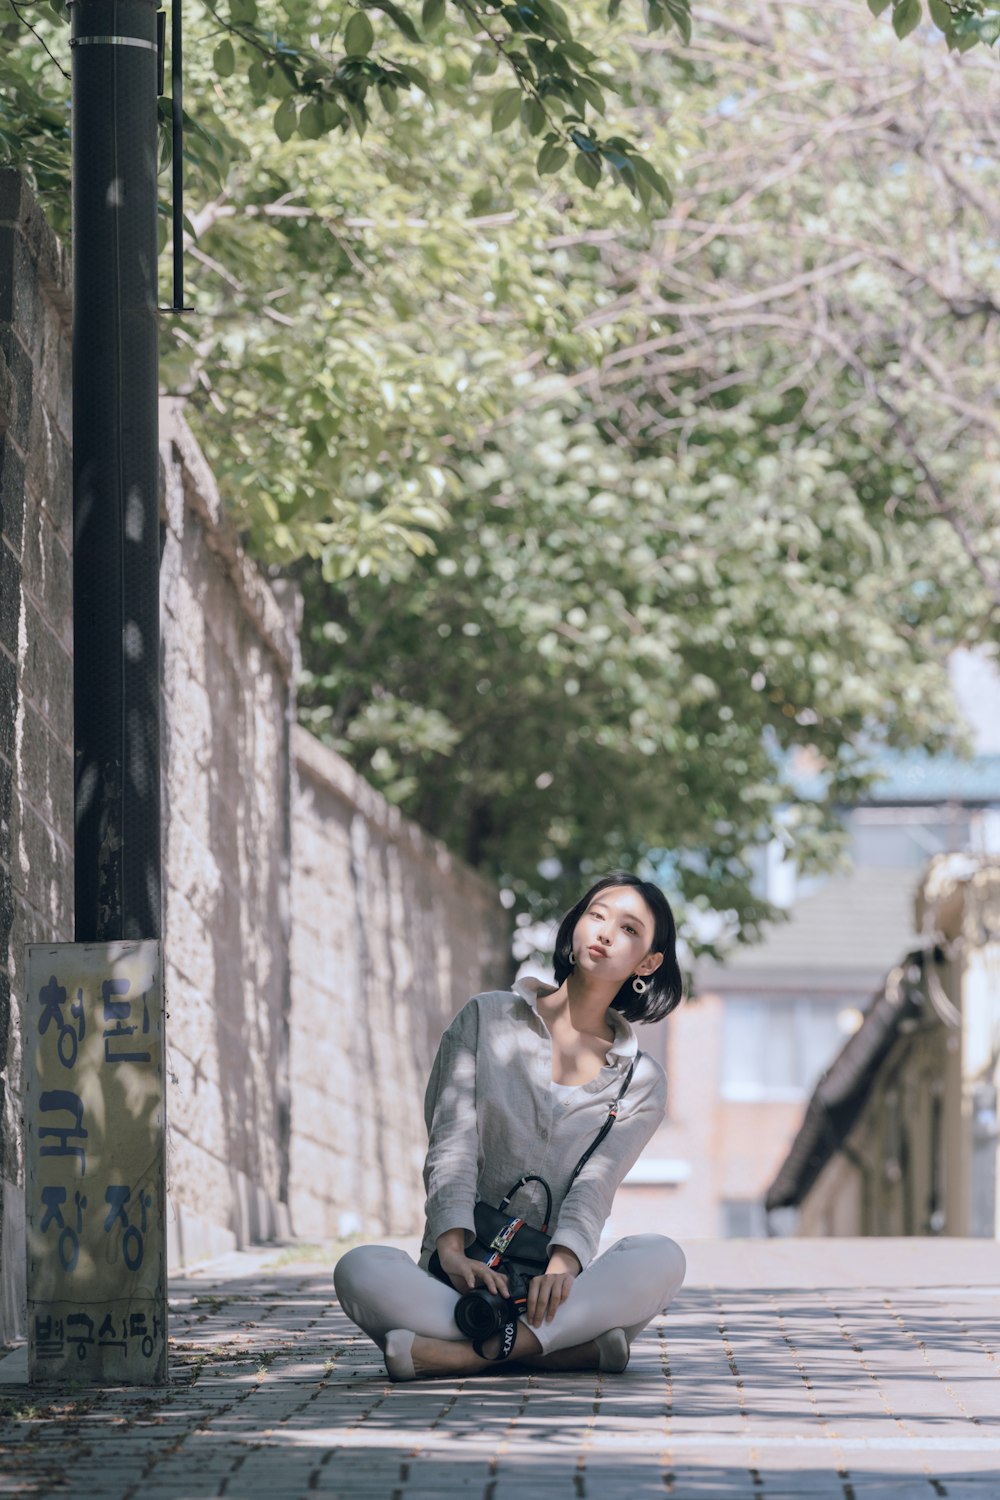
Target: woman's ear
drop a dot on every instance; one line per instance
(650, 964)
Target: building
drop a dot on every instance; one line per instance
(900, 1136)
(746, 1052)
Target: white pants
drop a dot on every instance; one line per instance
(381, 1288)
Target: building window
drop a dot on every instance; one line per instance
(777, 1049)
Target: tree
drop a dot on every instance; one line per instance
(749, 531)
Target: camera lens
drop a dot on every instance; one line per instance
(478, 1315)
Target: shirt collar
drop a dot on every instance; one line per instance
(624, 1045)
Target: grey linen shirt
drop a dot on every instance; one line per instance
(492, 1116)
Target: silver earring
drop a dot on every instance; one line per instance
(639, 985)
(572, 958)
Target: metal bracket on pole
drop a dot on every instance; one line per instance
(177, 142)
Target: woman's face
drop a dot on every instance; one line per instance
(613, 937)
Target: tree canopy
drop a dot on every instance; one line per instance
(619, 490)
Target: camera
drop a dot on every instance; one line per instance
(481, 1313)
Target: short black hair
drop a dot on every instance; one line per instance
(665, 986)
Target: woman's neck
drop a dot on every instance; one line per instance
(584, 1002)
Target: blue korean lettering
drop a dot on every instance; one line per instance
(120, 1011)
(133, 1236)
(50, 1338)
(55, 1101)
(69, 1235)
(53, 998)
(80, 1331)
(106, 1335)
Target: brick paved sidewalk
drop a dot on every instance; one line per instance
(851, 1369)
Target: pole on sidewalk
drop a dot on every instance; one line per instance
(115, 470)
(94, 1095)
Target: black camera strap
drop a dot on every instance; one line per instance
(612, 1117)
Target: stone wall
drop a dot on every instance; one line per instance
(228, 661)
(36, 664)
(315, 942)
(390, 936)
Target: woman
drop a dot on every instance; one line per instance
(522, 1082)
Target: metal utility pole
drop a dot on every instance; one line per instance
(115, 470)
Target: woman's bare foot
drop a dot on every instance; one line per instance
(456, 1357)
(579, 1357)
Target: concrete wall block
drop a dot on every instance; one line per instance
(50, 261)
(8, 704)
(45, 774)
(192, 1030)
(324, 1069)
(11, 488)
(197, 1178)
(47, 676)
(13, 1291)
(47, 572)
(49, 469)
(196, 1105)
(15, 357)
(6, 804)
(21, 297)
(42, 876)
(8, 394)
(54, 365)
(6, 918)
(10, 597)
(192, 1238)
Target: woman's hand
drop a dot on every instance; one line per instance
(547, 1293)
(465, 1274)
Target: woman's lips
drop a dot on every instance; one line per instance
(597, 952)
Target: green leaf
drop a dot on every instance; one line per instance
(418, 79)
(505, 108)
(648, 173)
(389, 98)
(285, 119)
(940, 14)
(878, 6)
(282, 81)
(224, 59)
(588, 88)
(679, 12)
(359, 35)
(906, 17)
(311, 121)
(399, 18)
(588, 168)
(532, 116)
(260, 84)
(243, 12)
(432, 13)
(484, 64)
(551, 157)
